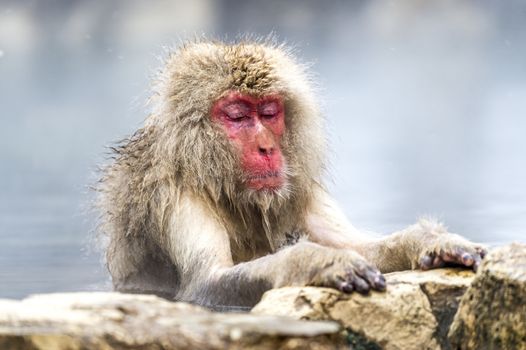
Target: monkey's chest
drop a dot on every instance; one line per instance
(258, 245)
(250, 249)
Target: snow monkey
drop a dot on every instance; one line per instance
(220, 197)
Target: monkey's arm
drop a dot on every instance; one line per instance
(199, 247)
(425, 245)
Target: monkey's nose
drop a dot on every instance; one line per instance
(265, 141)
(266, 150)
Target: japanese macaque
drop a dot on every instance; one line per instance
(219, 197)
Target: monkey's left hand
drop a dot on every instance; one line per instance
(450, 249)
(434, 247)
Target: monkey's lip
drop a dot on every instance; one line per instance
(265, 175)
(266, 180)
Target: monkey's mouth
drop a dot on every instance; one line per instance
(265, 175)
(265, 180)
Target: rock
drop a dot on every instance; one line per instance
(120, 321)
(492, 313)
(414, 313)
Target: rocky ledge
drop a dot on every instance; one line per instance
(492, 313)
(414, 313)
(124, 321)
(439, 309)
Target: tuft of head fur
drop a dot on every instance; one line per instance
(180, 149)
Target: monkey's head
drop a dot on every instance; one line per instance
(238, 120)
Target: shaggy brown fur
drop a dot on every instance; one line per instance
(167, 155)
(180, 223)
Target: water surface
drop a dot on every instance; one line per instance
(425, 106)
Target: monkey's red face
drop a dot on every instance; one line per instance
(255, 126)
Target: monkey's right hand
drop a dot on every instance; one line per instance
(342, 269)
(349, 271)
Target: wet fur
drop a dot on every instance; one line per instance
(140, 190)
(181, 224)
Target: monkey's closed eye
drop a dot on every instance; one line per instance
(236, 111)
(269, 109)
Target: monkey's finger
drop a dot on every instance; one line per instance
(426, 262)
(481, 251)
(376, 279)
(449, 258)
(477, 262)
(360, 285)
(457, 256)
(467, 259)
(380, 283)
(372, 276)
(345, 287)
(438, 262)
(464, 257)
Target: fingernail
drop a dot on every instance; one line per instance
(476, 263)
(425, 262)
(346, 287)
(361, 286)
(379, 282)
(467, 259)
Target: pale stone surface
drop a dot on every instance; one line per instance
(492, 313)
(121, 321)
(414, 313)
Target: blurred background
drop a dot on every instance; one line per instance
(425, 102)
